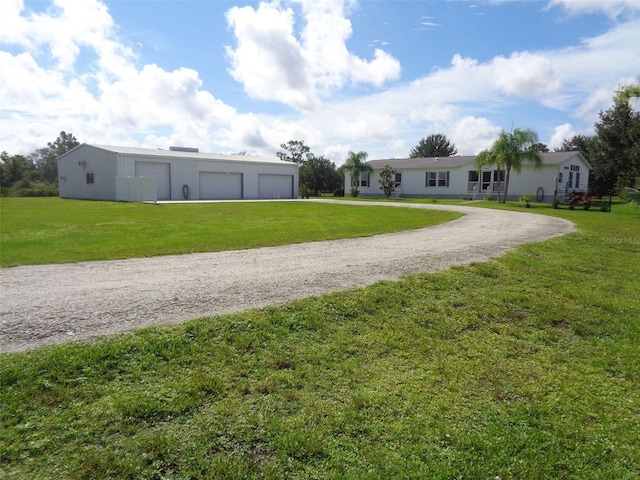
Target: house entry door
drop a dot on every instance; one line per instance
(486, 181)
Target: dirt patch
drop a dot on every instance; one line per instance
(49, 304)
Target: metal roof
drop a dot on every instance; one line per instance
(151, 152)
(549, 158)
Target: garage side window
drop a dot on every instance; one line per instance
(89, 177)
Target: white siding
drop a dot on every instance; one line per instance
(75, 165)
(203, 176)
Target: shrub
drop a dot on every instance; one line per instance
(338, 192)
(23, 188)
(305, 192)
(526, 198)
(488, 197)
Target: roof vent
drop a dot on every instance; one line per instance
(184, 149)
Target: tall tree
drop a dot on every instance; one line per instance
(15, 168)
(46, 159)
(355, 166)
(319, 174)
(46, 164)
(62, 144)
(627, 92)
(619, 133)
(508, 151)
(294, 151)
(435, 145)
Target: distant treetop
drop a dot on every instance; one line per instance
(435, 145)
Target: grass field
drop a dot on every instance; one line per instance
(526, 367)
(51, 230)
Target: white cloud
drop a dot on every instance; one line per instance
(46, 85)
(268, 59)
(561, 132)
(593, 70)
(473, 135)
(612, 8)
(63, 31)
(109, 99)
(274, 64)
(525, 74)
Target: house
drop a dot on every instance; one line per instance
(455, 177)
(101, 172)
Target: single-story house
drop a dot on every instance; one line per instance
(101, 172)
(455, 177)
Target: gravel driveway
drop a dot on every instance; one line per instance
(47, 304)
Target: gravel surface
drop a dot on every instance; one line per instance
(47, 304)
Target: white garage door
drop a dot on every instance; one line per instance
(275, 186)
(162, 172)
(220, 186)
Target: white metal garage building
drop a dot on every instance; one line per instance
(101, 172)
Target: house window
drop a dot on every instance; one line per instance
(364, 179)
(559, 178)
(570, 182)
(398, 180)
(486, 181)
(577, 179)
(89, 177)
(437, 179)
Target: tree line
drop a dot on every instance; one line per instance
(35, 174)
(613, 152)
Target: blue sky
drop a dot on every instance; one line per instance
(372, 75)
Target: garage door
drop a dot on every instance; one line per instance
(162, 172)
(220, 186)
(275, 186)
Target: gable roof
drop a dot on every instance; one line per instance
(151, 152)
(549, 158)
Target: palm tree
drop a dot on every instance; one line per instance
(355, 167)
(508, 152)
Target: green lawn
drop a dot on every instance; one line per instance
(526, 367)
(51, 230)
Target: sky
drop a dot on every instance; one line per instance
(377, 76)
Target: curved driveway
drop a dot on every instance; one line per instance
(48, 304)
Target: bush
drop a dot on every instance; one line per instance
(23, 188)
(488, 197)
(338, 192)
(305, 192)
(466, 197)
(526, 198)
(354, 192)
